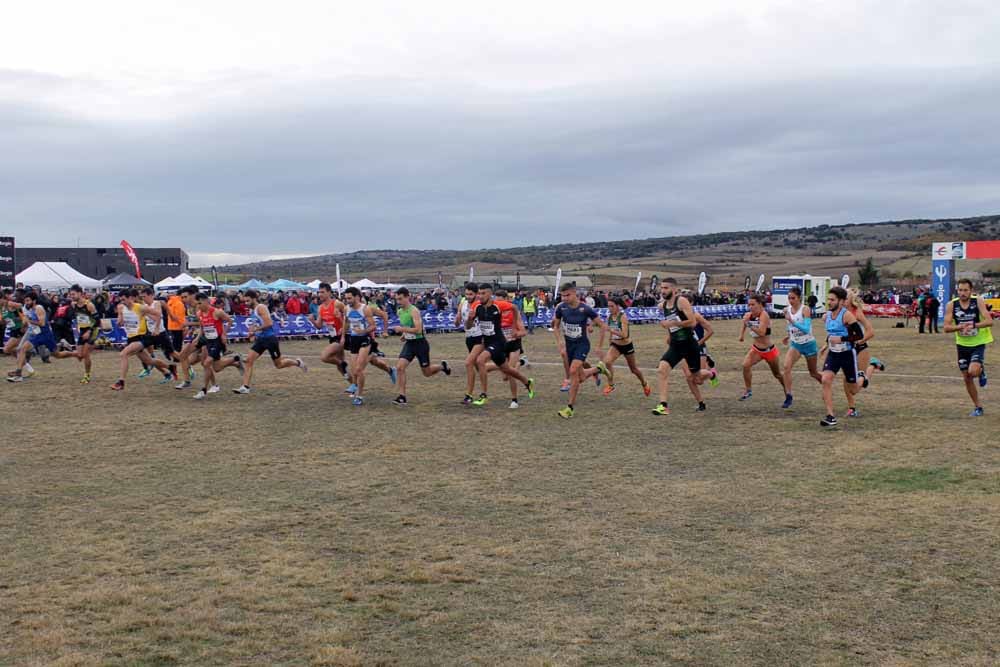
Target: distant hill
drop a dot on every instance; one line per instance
(901, 248)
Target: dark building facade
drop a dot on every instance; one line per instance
(154, 263)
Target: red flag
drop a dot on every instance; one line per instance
(130, 251)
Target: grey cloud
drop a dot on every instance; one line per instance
(362, 164)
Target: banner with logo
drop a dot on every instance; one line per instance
(702, 282)
(845, 280)
(638, 277)
(130, 251)
(746, 285)
(942, 282)
(7, 269)
(760, 282)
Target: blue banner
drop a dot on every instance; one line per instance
(942, 282)
(782, 285)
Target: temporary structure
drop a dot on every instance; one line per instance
(253, 283)
(364, 283)
(284, 285)
(55, 275)
(182, 280)
(121, 281)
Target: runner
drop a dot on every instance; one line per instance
(211, 345)
(264, 340)
(702, 332)
(156, 331)
(375, 356)
(473, 337)
(513, 332)
(358, 341)
(757, 323)
(490, 319)
(621, 345)
(331, 315)
(968, 317)
(10, 310)
(570, 325)
(867, 364)
(176, 311)
(800, 338)
(38, 337)
(88, 327)
(679, 319)
(415, 345)
(839, 350)
(132, 317)
(190, 352)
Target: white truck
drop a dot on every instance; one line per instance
(817, 285)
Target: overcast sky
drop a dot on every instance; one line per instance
(274, 129)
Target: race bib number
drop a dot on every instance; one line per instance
(799, 337)
(839, 347)
(572, 330)
(968, 332)
(487, 328)
(34, 330)
(210, 333)
(9, 321)
(508, 333)
(82, 320)
(357, 327)
(670, 328)
(409, 336)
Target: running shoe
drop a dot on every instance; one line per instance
(467, 400)
(119, 385)
(982, 377)
(200, 395)
(788, 401)
(714, 380)
(445, 368)
(746, 395)
(400, 400)
(28, 371)
(864, 379)
(481, 401)
(524, 360)
(15, 378)
(302, 364)
(513, 404)
(853, 412)
(602, 369)
(978, 412)
(701, 407)
(647, 390)
(183, 385)
(351, 389)
(877, 363)
(661, 409)
(358, 401)
(607, 390)
(239, 363)
(242, 390)
(565, 386)
(64, 346)
(13, 373)
(85, 379)
(145, 373)
(531, 387)
(190, 374)
(167, 379)
(566, 412)
(829, 421)
(392, 375)
(214, 389)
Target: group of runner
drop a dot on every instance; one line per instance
(190, 330)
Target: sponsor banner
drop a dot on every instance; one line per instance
(8, 271)
(885, 310)
(942, 281)
(782, 285)
(702, 282)
(760, 283)
(982, 250)
(130, 251)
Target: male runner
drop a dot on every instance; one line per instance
(88, 327)
(190, 352)
(38, 335)
(702, 332)
(331, 315)
(757, 323)
(800, 338)
(490, 319)
(621, 345)
(473, 337)
(570, 326)
(133, 318)
(211, 345)
(10, 311)
(967, 316)
(415, 345)
(265, 339)
(156, 331)
(679, 319)
(360, 327)
(841, 356)
(513, 332)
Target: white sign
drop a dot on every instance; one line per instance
(702, 281)
(949, 250)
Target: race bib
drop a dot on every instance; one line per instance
(971, 332)
(409, 336)
(210, 333)
(799, 337)
(34, 330)
(839, 347)
(673, 318)
(9, 322)
(572, 330)
(508, 333)
(82, 320)
(487, 328)
(357, 327)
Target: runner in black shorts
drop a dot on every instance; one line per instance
(415, 345)
(679, 320)
(473, 337)
(490, 319)
(621, 346)
(265, 340)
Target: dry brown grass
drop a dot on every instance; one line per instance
(312, 532)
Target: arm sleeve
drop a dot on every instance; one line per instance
(805, 326)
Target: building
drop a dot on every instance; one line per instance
(154, 263)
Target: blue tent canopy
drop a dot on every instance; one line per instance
(253, 283)
(285, 285)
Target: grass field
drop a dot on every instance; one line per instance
(288, 527)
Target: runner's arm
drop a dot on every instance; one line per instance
(707, 327)
(866, 323)
(557, 330)
(743, 326)
(519, 330)
(685, 307)
(370, 317)
(985, 317)
(949, 318)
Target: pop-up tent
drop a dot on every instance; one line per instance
(182, 280)
(121, 281)
(285, 285)
(253, 283)
(364, 283)
(55, 275)
(314, 285)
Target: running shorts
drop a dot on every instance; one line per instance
(472, 341)
(497, 348)
(846, 361)
(137, 339)
(626, 349)
(44, 339)
(514, 346)
(354, 344)
(176, 339)
(770, 354)
(418, 348)
(87, 336)
(687, 351)
(267, 344)
(970, 355)
(213, 347)
(806, 349)
(860, 347)
(577, 349)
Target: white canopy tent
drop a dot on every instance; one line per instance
(314, 284)
(183, 280)
(364, 283)
(55, 275)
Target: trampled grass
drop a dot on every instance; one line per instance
(288, 527)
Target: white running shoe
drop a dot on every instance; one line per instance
(214, 389)
(28, 370)
(301, 364)
(514, 405)
(200, 395)
(242, 390)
